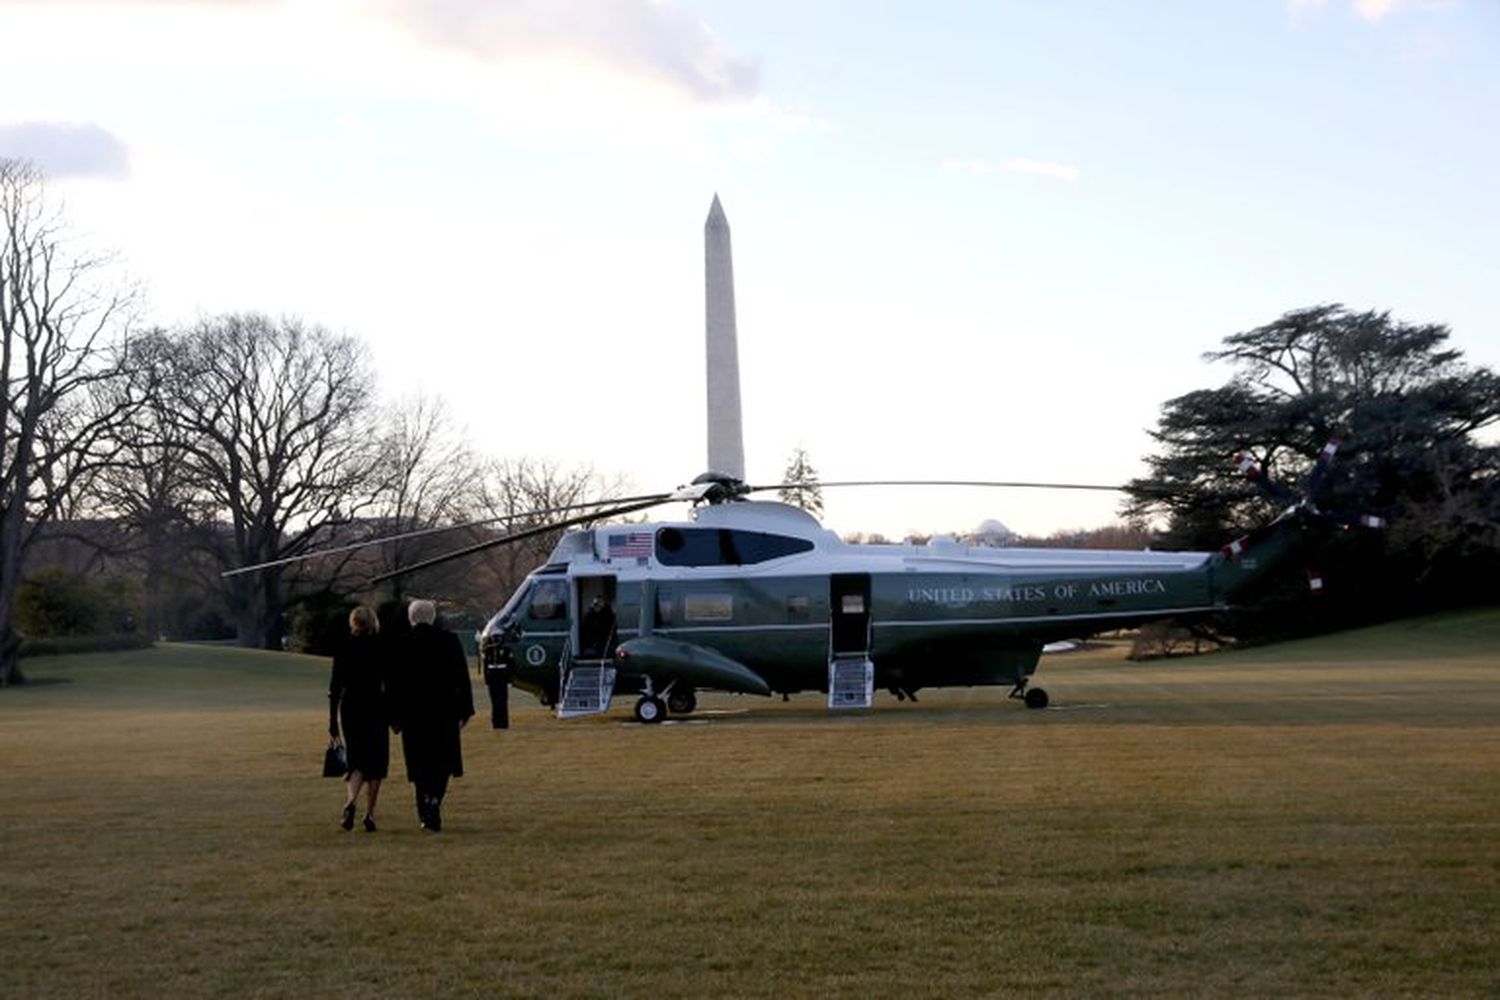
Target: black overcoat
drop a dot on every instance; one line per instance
(431, 694)
(357, 698)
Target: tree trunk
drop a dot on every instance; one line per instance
(10, 583)
(156, 571)
(10, 659)
(258, 618)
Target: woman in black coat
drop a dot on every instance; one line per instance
(432, 699)
(357, 695)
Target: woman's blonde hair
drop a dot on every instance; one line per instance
(362, 621)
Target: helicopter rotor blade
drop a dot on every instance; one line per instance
(940, 482)
(1268, 488)
(424, 532)
(641, 503)
(1319, 474)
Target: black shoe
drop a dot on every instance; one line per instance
(434, 822)
(348, 821)
(369, 823)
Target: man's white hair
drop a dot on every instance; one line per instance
(421, 612)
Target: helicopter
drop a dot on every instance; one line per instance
(756, 597)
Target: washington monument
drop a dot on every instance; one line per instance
(726, 446)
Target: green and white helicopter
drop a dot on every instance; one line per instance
(758, 598)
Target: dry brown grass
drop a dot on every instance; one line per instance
(1319, 820)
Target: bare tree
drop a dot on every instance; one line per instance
(149, 489)
(61, 348)
(426, 476)
(513, 490)
(273, 417)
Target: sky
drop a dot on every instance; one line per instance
(972, 240)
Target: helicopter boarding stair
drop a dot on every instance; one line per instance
(587, 687)
(851, 681)
(851, 673)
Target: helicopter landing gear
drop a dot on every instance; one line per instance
(1034, 697)
(650, 709)
(682, 701)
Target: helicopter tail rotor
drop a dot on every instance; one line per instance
(1306, 507)
(1314, 492)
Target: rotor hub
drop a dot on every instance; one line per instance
(720, 487)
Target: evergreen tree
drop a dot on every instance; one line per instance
(800, 484)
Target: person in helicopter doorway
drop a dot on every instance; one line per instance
(432, 700)
(596, 630)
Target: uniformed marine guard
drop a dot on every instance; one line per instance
(497, 680)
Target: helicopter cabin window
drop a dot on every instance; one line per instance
(708, 607)
(549, 600)
(723, 547)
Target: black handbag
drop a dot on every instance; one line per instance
(335, 760)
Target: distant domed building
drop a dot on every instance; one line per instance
(992, 533)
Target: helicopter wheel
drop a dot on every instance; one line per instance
(650, 710)
(682, 702)
(1036, 698)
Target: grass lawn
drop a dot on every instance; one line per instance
(1313, 819)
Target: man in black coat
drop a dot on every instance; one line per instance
(596, 630)
(432, 699)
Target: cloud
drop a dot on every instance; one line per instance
(64, 149)
(1370, 11)
(1017, 165)
(647, 37)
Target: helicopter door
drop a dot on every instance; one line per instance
(588, 674)
(851, 675)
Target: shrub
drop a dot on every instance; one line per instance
(1159, 640)
(52, 602)
(321, 623)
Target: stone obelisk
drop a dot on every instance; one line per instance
(726, 446)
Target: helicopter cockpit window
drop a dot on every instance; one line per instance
(549, 600)
(723, 547)
(507, 613)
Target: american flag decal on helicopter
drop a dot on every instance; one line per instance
(630, 545)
